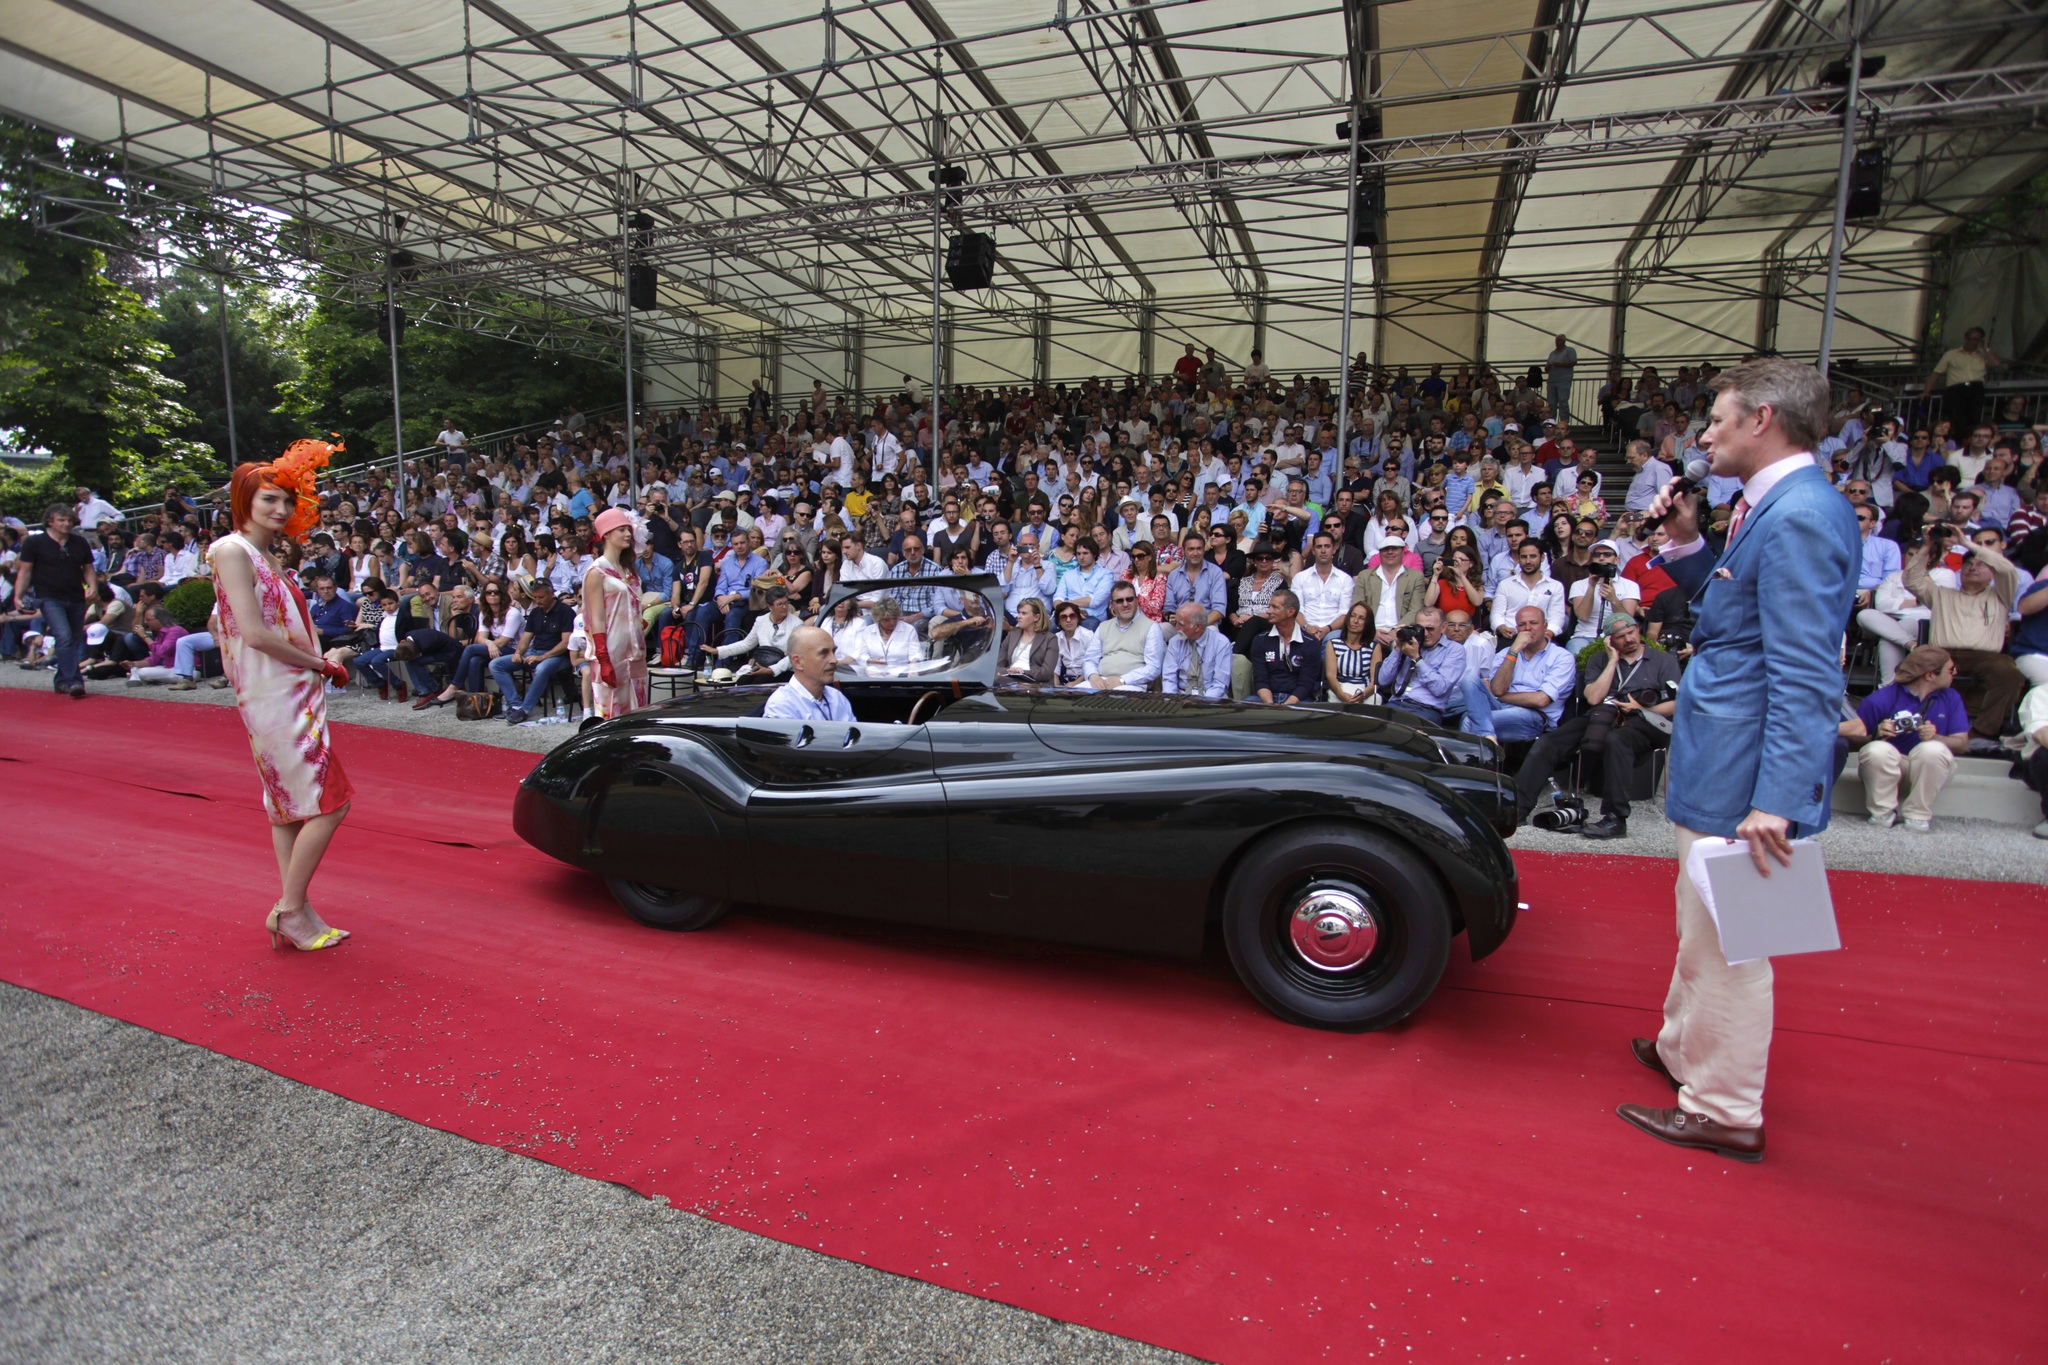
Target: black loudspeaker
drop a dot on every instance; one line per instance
(641, 282)
(390, 323)
(403, 264)
(643, 231)
(1365, 220)
(971, 261)
(1866, 184)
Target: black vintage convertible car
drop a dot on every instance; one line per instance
(1337, 852)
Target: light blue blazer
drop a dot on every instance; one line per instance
(1759, 704)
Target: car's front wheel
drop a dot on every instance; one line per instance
(1336, 928)
(661, 908)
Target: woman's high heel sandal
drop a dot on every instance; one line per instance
(326, 938)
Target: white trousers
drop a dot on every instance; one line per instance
(1717, 1018)
(155, 675)
(1925, 772)
(2034, 667)
(1895, 639)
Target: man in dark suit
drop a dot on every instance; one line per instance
(1287, 662)
(1754, 734)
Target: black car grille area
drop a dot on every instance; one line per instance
(1129, 703)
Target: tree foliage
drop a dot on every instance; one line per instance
(262, 330)
(485, 383)
(117, 371)
(79, 359)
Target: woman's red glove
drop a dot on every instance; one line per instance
(605, 673)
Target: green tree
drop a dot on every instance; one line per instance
(483, 382)
(79, 360)
(262, 346)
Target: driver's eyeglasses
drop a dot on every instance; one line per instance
(1121, 601)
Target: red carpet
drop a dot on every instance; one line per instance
(1128, 1144)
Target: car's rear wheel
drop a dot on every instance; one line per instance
(661, 908)
(1336, 928)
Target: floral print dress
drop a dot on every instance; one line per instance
(283, 708)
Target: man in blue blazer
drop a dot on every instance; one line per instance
(1754, 735)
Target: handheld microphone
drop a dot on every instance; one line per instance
(1688, 482)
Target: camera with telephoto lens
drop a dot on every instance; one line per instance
(1604, 717)
(1566, 811)
(1408, 635)
(1603, 572)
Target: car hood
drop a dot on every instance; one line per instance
(1091, 722)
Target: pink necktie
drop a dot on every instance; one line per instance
(1735, 522)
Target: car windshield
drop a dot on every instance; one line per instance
(923, 628)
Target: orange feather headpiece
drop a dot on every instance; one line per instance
(294, 472)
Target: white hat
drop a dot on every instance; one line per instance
(1393, 543)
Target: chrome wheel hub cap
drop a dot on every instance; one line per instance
(1333, 930)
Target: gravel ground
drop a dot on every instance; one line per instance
(1978, 850)
(159, 1202)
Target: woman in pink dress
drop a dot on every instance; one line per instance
(272, 656)
(611, 616)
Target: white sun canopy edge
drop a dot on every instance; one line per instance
(1649, 179)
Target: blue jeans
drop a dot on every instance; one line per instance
(375, 665)
(469, 670)
(185, 660)
(544, 673)
(64, 620)
(1507, 723)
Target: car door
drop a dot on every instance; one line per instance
(845, 817)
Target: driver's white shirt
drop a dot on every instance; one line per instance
(793, 701)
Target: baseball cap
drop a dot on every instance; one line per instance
(1617, 624)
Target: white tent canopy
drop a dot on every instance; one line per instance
(1649, 179)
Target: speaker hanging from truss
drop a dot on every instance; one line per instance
(971, 261)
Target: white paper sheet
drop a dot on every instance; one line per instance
(1788, 912)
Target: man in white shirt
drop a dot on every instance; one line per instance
(856, 565)
(1522, 477)
(451, 438)
(839, 453)
(1532, 587)
(1574, 461)
(93, 509)
(1601, 595)
(809, 694)
(1324, 589)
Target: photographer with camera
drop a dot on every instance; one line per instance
(1917, 727)
(1970, 622)
(1423, 673)
(1600, 596)
(1621, 685)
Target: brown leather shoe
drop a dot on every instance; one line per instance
(424, 702)
(1645, 1050)
(1681, 1129)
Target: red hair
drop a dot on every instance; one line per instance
(292, 472)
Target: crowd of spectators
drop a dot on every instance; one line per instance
(1462, 557)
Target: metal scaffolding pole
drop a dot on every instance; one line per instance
(938, 254)
(626, 308)
(397, 416)
(1827, 313)
(1344, 341)
(227, 378)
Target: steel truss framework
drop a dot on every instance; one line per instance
(1175, 155)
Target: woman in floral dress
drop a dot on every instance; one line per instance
(611, 614)
(271, 654)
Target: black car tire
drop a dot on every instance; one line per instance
(1407, 907)
(660, 908)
